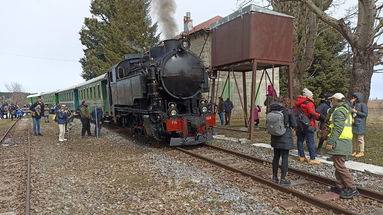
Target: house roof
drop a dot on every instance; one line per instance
(203, 26)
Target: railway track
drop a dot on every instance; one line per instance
(305, 185)
(15, 170)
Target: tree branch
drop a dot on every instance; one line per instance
(339, 25)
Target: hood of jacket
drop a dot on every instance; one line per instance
(300, 100)
(359, 96)
(277, 106)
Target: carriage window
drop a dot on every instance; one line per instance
(98, 91)
(120, 72)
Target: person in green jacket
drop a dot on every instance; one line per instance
(339, 145)
(85, 118)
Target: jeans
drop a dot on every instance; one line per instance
(36, 125)
(97, 129)
(309, 137)
(222, 118)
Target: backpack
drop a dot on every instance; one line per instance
(303, 121)
(275, 123)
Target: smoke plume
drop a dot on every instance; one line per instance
(165, 10)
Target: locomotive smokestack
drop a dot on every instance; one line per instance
(188, 22)
(165, 10)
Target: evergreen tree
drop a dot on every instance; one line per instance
(117, 27)
(331, 67)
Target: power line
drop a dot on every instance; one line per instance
(39, 57)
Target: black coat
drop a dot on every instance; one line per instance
(285, 141)
(323, 109)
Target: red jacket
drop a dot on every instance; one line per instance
(308, 108)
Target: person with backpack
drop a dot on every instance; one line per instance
(306, 115)
(279, 123)
(339, 145)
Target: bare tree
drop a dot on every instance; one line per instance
(17, 95)
(14, 87)
(363, 38)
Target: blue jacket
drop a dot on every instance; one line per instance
(98, 116)
(359, 126)
(61, 118)
(228, 106)
(20, 112)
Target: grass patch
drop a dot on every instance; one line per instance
(4, 125)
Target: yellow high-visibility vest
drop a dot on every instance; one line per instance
(347, 130)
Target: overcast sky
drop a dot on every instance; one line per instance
(40, 46)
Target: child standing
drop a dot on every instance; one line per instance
(256, 115)
(46, 113)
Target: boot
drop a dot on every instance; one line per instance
(359, 154)
(348, 193)
(313, 162)
(302, 159)
(353, 154)
(284, 182)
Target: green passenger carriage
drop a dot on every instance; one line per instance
(68, 97)
(50, 98)
(94, 91)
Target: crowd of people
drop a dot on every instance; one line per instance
(12, 111)
(342, 126)
(64, 117)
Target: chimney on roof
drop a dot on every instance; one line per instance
(188, 22)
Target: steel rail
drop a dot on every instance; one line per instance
(9, 129)
(320, 179)
(306, 198)
(28, 194)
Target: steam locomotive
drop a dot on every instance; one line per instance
(160, 94)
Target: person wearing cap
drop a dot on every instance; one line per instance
(305, 103)
(359, 112)
(339, 145)
(61, 119)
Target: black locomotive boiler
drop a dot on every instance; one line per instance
(160, 94)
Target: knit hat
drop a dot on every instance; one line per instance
(307, 93)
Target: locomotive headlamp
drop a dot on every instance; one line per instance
(173, 112)
(185, 44)
(204, 109)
